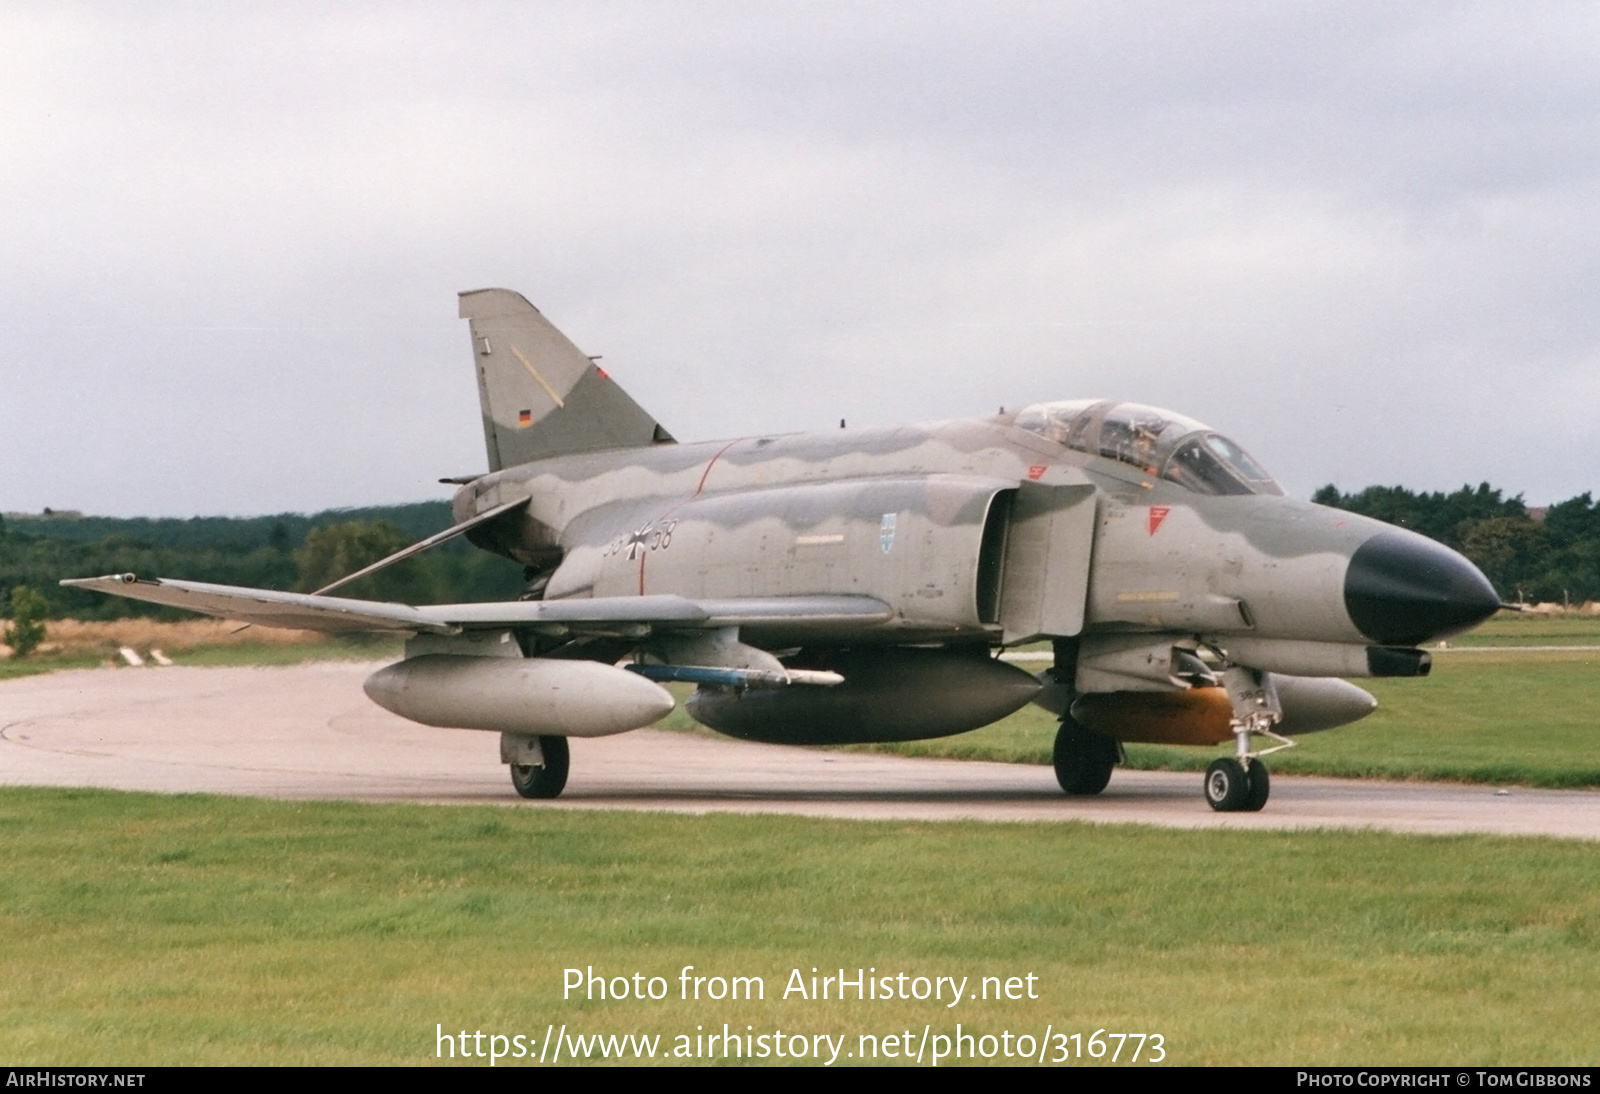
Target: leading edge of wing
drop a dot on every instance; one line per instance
(270, 608)
(267, 607)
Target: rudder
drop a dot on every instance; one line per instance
(539, 394)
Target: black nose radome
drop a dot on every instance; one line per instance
(1403, 589)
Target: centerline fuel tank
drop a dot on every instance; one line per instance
(890, 694)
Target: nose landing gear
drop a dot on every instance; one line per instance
(1240, 783)
(1233, 788)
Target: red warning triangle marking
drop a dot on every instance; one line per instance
(1158, 513)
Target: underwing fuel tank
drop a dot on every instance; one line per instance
(887, 695)
(540, 696)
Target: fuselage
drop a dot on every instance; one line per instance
(920, 517)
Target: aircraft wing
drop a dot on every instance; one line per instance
(599, 615)
(267, 608)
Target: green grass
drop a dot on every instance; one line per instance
(1527, 629)
(351, 648)
(12, 668)
(331, 648)
(146, 930)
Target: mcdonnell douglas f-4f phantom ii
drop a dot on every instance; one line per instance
(855, 585)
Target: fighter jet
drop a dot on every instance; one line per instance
(861, 585)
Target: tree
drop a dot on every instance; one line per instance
(1506, 549)
(333, 551)
(28, 611)
(1444, 517)
(1573, 521)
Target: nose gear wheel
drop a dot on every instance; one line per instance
(1231, 787)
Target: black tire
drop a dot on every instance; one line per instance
(1083, 760)
(1260, 785)
(547, 781)
(1227, 786)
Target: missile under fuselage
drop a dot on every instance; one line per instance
(887, 695)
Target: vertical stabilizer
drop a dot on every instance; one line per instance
(540, 395)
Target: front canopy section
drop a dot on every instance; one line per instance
(1157, 442)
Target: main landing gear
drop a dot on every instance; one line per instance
(545, 779)
(1083, 759)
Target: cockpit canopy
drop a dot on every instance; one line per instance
(1157, 442)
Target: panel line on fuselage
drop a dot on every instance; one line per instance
(699, 486)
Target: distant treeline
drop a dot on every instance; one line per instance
(1553, 559)
(290, 551)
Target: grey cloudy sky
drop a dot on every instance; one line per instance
(1362, 238)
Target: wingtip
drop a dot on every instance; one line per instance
(91, 582)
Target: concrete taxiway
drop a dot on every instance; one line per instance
(308, 732)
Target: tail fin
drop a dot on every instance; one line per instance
(540, 395)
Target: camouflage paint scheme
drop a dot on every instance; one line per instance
(1092, 546)
(854, 585)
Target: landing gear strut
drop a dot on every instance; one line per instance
(1240, 783)
(1083, 759)
(546, 780)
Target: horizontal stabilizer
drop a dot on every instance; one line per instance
(336, 615)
